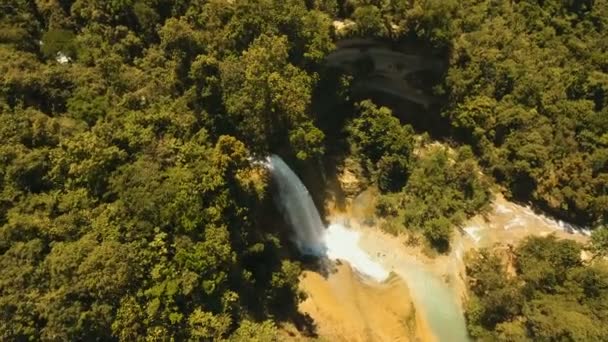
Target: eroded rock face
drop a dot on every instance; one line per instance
(350, 179)
(381, 68)
(586, 256)
(349, 182)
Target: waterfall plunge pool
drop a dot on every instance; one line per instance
(343, 243)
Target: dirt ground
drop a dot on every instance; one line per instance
(346, 307)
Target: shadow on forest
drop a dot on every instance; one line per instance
(398, 75)
(283, 303)
(305, 324)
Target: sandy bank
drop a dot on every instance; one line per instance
(346, 307)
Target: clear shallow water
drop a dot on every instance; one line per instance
(437, 301)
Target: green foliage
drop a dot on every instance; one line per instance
(58, 41)
(129, 205)
(369, 21)
(527, 86)
(599, 241)
(552, 296)
(431, 191)
(433, 20)
(255, 332)
(430, 20)
(86, 106)
(381, 144)
(266, 95)
(441, 192)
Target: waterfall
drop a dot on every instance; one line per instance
(310, 236)
(297, 208)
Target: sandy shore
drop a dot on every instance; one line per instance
(346, 307)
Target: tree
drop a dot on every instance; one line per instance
(599, 242)
(513, 95)
(369, 21)
(553, 295)
(441, 192)
(382, 145)
(256, 332)
(265, 95)
(58, 41)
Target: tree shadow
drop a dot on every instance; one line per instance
(333, 103)
(402, 75)
(332, 110)
(305, 324)
(320, 265)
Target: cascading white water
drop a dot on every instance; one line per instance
(310, 236)
(343, 243)
(297, 207)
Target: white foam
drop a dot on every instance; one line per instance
(458, 250)
(502, 209)
(517, 221)
(474, 232)
(343, 243)
(558, 224)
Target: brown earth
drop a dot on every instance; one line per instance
(346, 307)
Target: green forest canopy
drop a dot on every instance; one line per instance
(129, 208)
(551, 295)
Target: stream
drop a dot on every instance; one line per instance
(436, 301)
